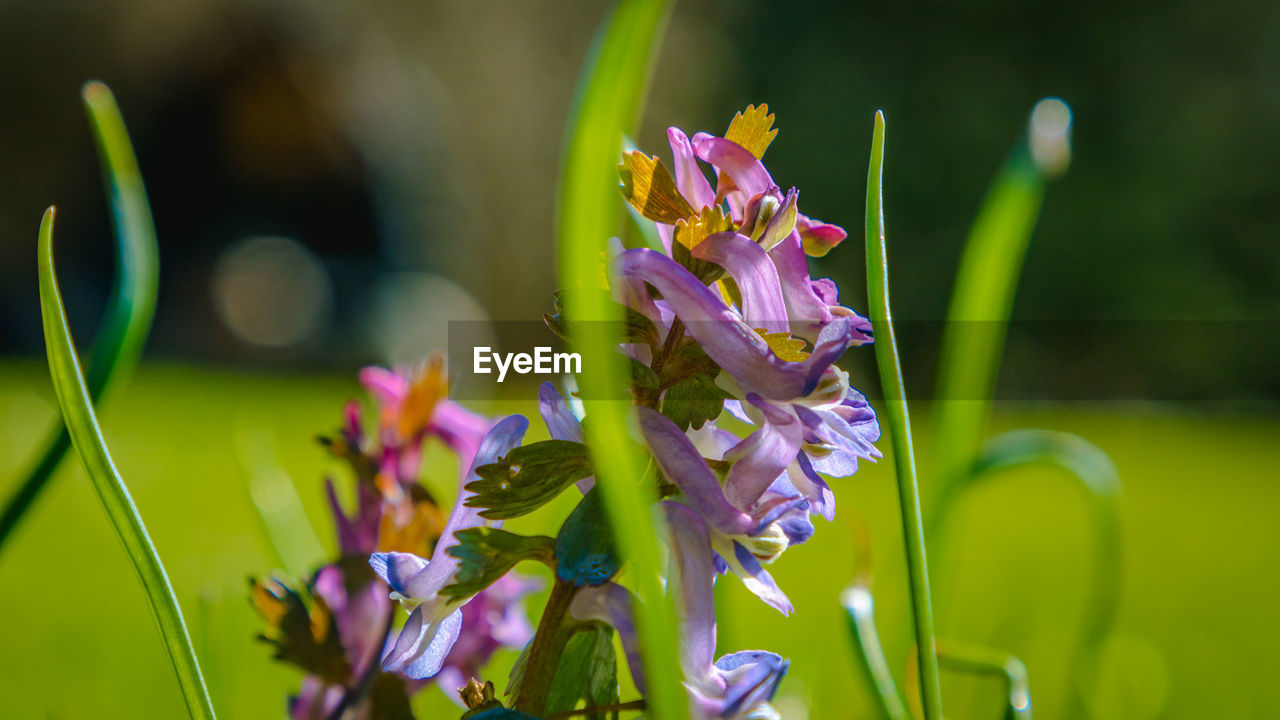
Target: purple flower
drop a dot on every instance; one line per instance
(435, 621)
(493, 619)
(744, 541)
(736, 685)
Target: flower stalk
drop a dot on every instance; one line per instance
(899, 422)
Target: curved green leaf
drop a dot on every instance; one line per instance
(82, 424)
(131, 307)
(982, 299)
(610, 94)
(859, 607)
(1101, 481)
(899, 422)
(977, 660)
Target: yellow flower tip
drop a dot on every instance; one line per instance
(650, 188)
(691, 231)
(787, 348)
(752, 129)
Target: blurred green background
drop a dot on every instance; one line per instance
(321, 174)
(1194, 638)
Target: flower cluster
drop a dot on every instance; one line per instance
(732, 282)
(725, 329)
(336, 628)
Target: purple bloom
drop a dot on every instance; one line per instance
(493, 619)
(435, 621)
(745, 541)
(736, 685)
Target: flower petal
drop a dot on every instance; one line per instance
(757, 279)
(684, 465)
(748, 173)
(762, 456)
(733, 344)
(398, 570)
(501, 438)
(691, 566)
(611, 603)
(692, 183)
(817, 237)
(560, 420)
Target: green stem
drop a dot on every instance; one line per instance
(610, 94)
(859, 607)
(86, 435)
(899, 422)
(544, 654)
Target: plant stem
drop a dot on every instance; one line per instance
(544, 654)
(899, 428)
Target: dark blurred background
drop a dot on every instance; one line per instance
(333, 182)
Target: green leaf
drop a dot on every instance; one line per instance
(588, 672)
(132, 304)
(692, 402)
(77, 412)
(981, 303)
(859, 607)
(585, 553)
(528, 477)
(486, 554)
(899, 422)
(301, 627)
(1100, 480)
(607, 104)
(635, 327)
(977, 660)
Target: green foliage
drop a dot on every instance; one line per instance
(131, 307)
(486, 554)
(977, 660)
(82, 424)
(693, 401)
(859, 608)
(585, 552)
(610, 93)
(588, 672)
(635, 327)
(301, 627)
(978, 315)
(528, 477)
(899, 422)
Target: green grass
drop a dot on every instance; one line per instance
(1194, 638)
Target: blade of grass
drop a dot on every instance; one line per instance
(982, 299)
(859, 607)
(77, 411)
(899, 421)
(1101, 481)
(131, 307)
(610, 93)
(977, 660)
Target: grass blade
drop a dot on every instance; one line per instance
(982, 299)
(899, 421)
(77, 412)
(859, 607)
(131, 307)
(610, 94)
(977, 660)
(1101, 481)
